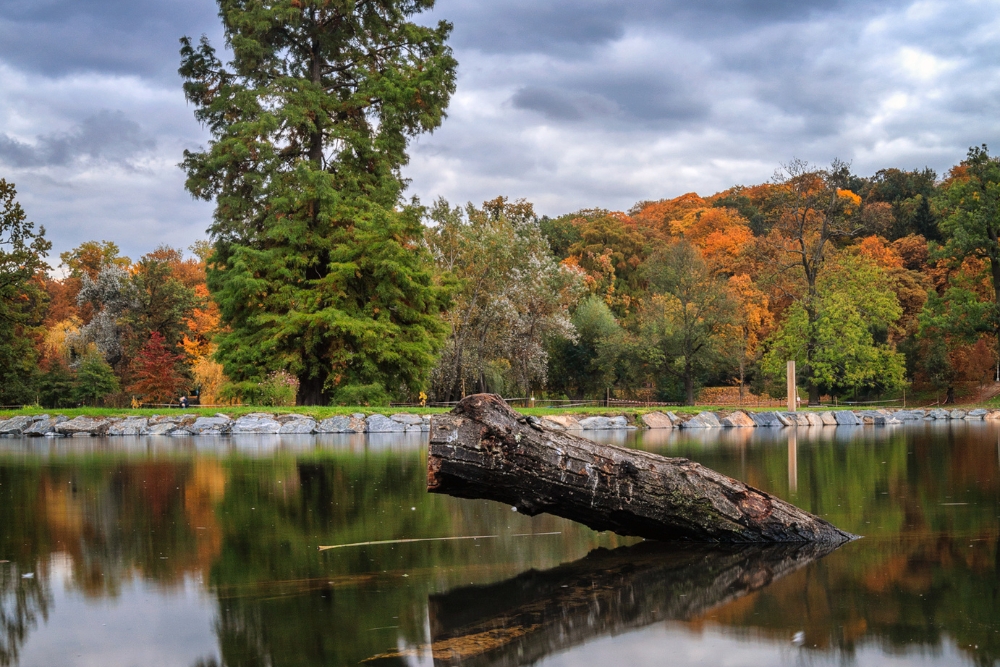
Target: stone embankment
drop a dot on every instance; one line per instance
(288, 424)
(182, 424)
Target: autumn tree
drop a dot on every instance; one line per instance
(611, 248)
(751, 321)
(815, 210)
(155, 374)
(318, 266)
(22, 299)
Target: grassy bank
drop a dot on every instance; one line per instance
(318, 412)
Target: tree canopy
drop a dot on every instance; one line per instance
(317, 266)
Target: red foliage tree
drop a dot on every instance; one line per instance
(154, 371)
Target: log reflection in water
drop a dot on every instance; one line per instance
(521, 620)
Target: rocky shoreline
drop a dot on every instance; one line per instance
(260, 423)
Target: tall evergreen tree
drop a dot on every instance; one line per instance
(317, 267)
(22, 299)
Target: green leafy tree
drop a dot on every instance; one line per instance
(163, 304)
(317, 267)
(95, 380)
(970, 206)
(22, 298)
(688, 313)
(587, 366)
(511, 298)
(55, 386)
(854, 309)
(958, 317)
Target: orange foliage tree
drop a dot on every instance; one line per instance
(155, 373)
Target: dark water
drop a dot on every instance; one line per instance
(203, 552)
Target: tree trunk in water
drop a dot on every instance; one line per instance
(483, 449)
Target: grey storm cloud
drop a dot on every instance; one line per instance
(54, 37)
(569, 103)
(107, 137)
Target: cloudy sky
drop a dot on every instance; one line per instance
(570, 104)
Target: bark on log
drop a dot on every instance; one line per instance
(483, 449)
(522, 620)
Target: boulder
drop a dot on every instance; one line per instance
(341, 424)
(621, 421)
(83, 426)
(160, 428)
(908, 415)
(828, 418)
(44, 426)
(938, 413)
(786, 418)
(976, 414)
(407, 419)
(702, 420)
(957, 414)
(800, 418)
(17, 425)
(846, 418)
(128, 426)
(766, 419)
(596, 424)
(377, 423)
(657, 420)
(302, 426)
(218, 425)
(256, 422)
(738, 419)
(992, 415)
(561, 422)
(883, 420)
(179, 432)
(813, 418)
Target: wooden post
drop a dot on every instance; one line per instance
(793, 393)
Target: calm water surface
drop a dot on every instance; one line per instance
(201, 552)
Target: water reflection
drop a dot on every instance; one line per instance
(519, 621)
(204, 550)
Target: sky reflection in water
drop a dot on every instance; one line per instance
(203, 552)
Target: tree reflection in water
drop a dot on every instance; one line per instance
(24, 601)
(246, 523)
(608, 592)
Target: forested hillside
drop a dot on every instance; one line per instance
(871, 283)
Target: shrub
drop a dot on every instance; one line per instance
(277, 390)
(94, 380)
(361, 394)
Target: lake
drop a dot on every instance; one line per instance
(204, 552)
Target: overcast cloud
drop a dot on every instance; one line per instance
(589, 103)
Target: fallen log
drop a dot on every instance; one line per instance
(483, 449)
(522, 620)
